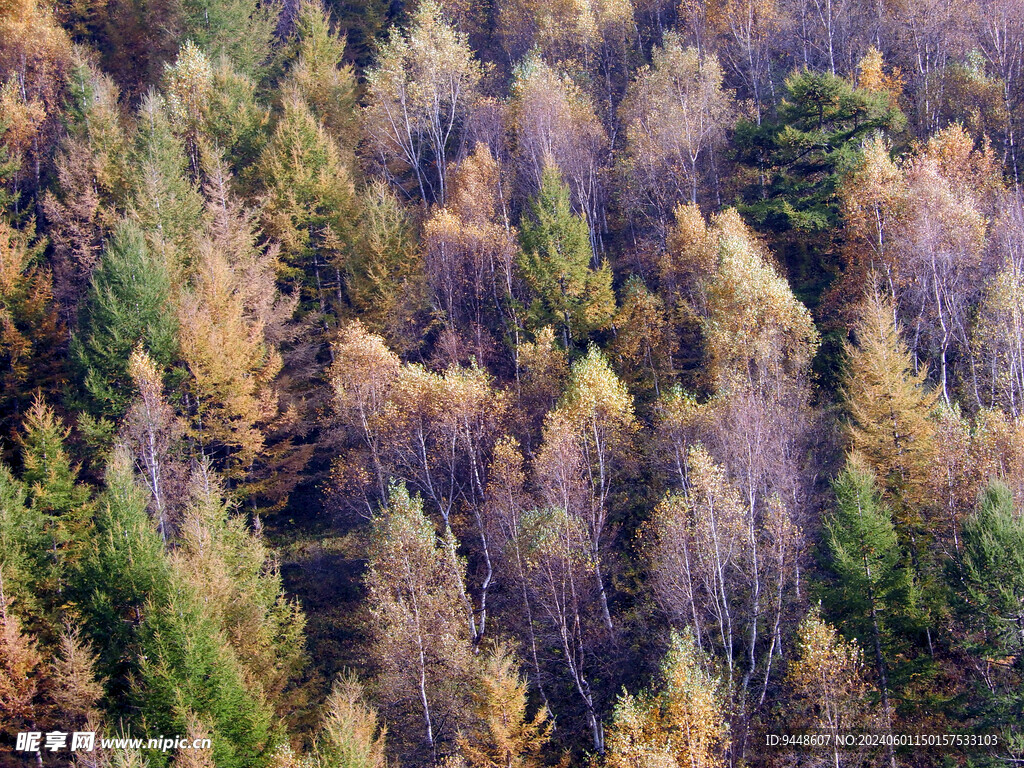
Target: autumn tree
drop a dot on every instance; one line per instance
(681, 723)
(554, 124)
(420, 638)
(506, 738)
(889, 408)
(676, 115)
(418, 95)
(827, 678)
(470, 259)
(230, 319)
(30, 332)
(91, 177)
(350, 735)
(587, 438)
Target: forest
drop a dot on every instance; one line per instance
(512, 383)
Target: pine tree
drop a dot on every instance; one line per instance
(231, 571)
(310, 206)
(555, 262)
(989, 583)
(129, 304)
(124, 577)
(319, 73)
(162, 197)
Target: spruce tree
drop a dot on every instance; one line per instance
(128, 305)
(555, 262)
(872, 592)
(989, 583)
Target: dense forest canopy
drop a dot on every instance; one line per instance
(512, 383)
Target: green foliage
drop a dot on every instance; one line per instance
(555, 261)
(310, 203)
(187, 670)
(163, 200)
(989, 582)
(873, 594)
(240, 30)
(795, 162)
(124, 577)
(128, 305)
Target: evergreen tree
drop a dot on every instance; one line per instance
(989, 581)
(128, 305)
(326, 83)
(567, 292)
(240, 30)
(162, 198)
(872, 593)
(187, 670)
(795, 163)
(310, 206)
(125, 576)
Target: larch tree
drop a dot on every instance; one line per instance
(418, 96)
(421, 640)
(230, 320)
(30, 331)
(506, 737)
(889, 407)
(350, 735)
(385, 274)
(319, 73)
(240, 30)
(163, 198)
